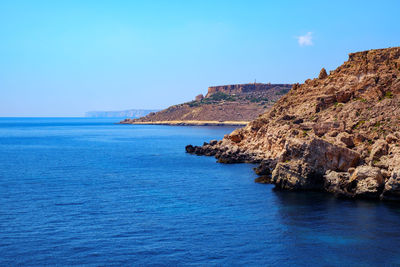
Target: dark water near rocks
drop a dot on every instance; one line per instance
(87, 192)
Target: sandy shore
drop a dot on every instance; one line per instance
(189, 123)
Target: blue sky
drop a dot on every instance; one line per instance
(62, 58)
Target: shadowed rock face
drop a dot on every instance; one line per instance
(339, 133)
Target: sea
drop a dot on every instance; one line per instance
(89, 192)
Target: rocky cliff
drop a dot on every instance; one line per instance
(249, 88)
(228, 104)
(338, 133)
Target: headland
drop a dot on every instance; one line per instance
(338, 133)
(235, 104)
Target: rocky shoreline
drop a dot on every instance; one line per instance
(362, 182)
(338, 133)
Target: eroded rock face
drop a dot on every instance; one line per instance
(338, 183)
(321, 155)
(296, 175)
(379, 149)
(265, 167)
(368, 182)
(392, 187)
(338, 133)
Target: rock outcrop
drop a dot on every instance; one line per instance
(338, 133)
(199, 97)
(322, 74)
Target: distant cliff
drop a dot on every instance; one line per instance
(227, 104)
(249, 88)
(131, 113)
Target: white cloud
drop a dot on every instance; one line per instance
(305, 40)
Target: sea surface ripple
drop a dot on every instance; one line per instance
(76, 191)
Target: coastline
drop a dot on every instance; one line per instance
(189, 123)
(336, 133)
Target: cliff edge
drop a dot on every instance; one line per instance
(338, 133)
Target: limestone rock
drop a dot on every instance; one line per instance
(321, 155)
(235, 136)
(346, 139)
(213, 142)
(322, 128)
(265, 167)
(322, 74)
(343, 96)
(392, 187)
(296, 175)
(379, 149)
(369, 182)
(338, 183)
(189, 149)
(391, 138)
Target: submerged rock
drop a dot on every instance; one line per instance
(266, 179)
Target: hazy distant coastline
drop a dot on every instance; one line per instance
(131, 113)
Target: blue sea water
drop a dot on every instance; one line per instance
(89, 192)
